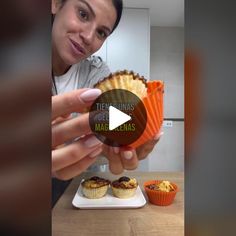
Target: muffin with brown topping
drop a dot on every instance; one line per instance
(95, 187)
(124, 187)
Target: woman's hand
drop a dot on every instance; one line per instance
(71, 160)
(144, 150)
(121, 159)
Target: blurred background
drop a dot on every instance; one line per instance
(25, 101)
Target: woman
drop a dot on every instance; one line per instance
(80, 27)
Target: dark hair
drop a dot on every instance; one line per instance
(118, 4)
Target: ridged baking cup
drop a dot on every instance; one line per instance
(160, 198)
(123, 193)
(151, 95)
(124, 80)
(94, 193)
(153, 103)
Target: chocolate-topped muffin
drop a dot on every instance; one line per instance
(164, 186)
(124, 187)
(160, 192)
(95, 187)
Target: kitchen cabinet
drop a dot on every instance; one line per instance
(167, 64)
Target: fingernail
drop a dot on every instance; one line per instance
(90, 95)
(116, 150)
(128, 155)
(158, 135)
(95, 153)
(91, 142)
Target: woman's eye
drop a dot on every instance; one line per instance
(83, 14)
(102, 34)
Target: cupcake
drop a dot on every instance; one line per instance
(124, 187)
(161, 193)
(149, 92)
(95, 187)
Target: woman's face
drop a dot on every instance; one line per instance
(80, 28)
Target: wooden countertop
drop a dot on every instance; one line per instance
(148, 220)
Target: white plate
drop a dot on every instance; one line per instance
(108, 201)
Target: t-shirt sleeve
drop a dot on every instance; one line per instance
(97, 73)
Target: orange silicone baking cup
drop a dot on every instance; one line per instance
(153, 103)
(160, 198)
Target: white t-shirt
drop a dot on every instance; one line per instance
(68, 81)
(82, 75)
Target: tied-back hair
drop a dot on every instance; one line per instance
(118, 4)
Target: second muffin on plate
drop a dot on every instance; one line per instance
(124, 187)
(95, 187)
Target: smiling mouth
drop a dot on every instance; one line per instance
(78, 48)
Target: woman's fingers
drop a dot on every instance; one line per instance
(129, 159)
(115, 164)
(75, 101)
(79, 167)
(62, 119)
(146, 148)
(70, 129)
(72, 153)
(120, 159)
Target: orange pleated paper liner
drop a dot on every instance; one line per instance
(153, 103)
(160, 198)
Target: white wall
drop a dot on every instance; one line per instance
(167, 64)
(129, 46)
(168, 154)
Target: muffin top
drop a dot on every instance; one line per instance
(164, 186)
(125, 182)
(95, 182)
